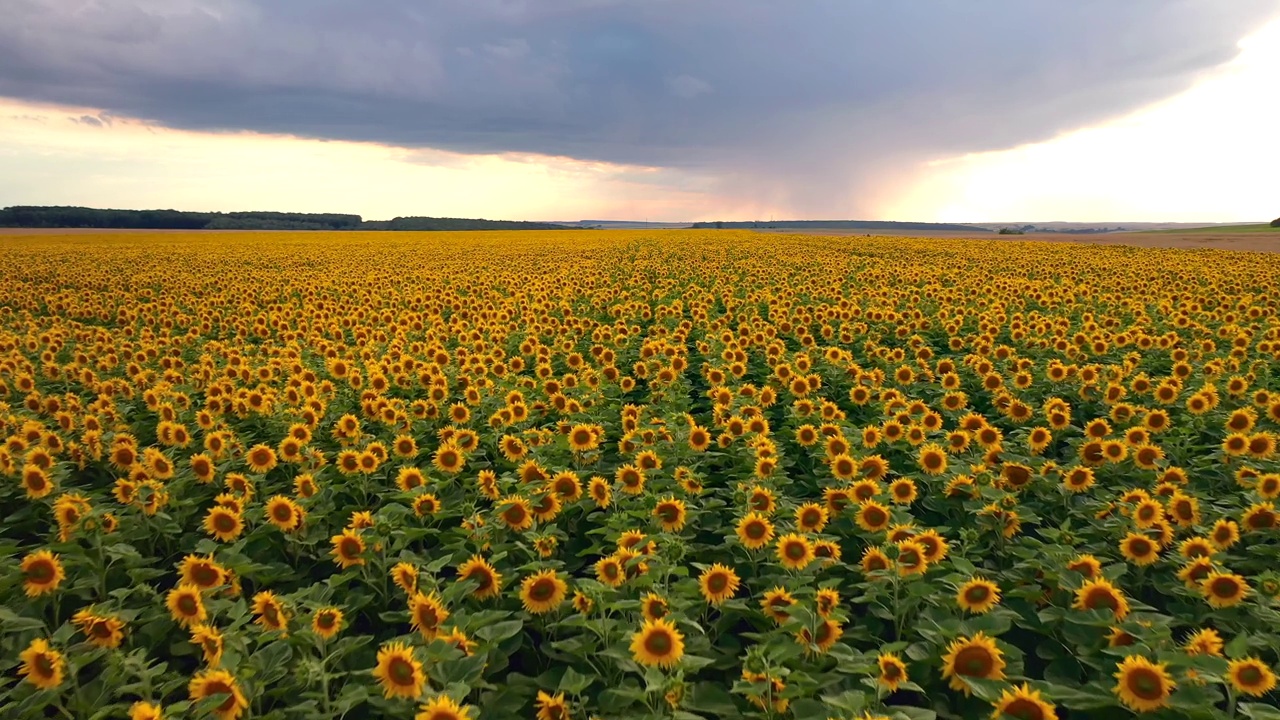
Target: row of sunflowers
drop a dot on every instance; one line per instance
(684, 474)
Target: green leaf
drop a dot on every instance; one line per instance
(574, 682)
(911, 713)
(498, 632)
(712, 699)
(1238, 647)
(988, 690)
(1258, 711)
(808, 708)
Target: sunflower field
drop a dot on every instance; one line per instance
(675, 474)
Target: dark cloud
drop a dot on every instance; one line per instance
(810, 104)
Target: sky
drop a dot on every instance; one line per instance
(663, 110)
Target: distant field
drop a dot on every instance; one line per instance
(1219, 230)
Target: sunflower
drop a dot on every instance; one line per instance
(1194, 573)
(142, 710)
(1260, 516)
(1100, 594)
(409, 479)
(1139, 549)
(542, 592)
(976, 657)
(978, 595)
(186, 606)
(1268, 486)
(824, 635)
(209, 639)
(546, 507)
(1251, 676)
(874, 560)
(305, 486)
(827, 551)
(1223, 589)
(449, 458)
(219, 684)
(240, 486)
(442, 707)
(699, 438)
(1195, 547)
(327, 621)
(427, 614)
(1224, 534)
(516, 512)
(41, 573)
(104, 631)
(1119, 637)
(1204, 642)
(754, 531)
(348, 462)
(654, 607)
(1023, 703)
(671, 514)
(1235, 444)
(1038, 439)
(270, 611)
(657, 643)
(718, 583)
(935, 546)
(405, 576)
(893, 672)
(567, 486)
(872, 516)
(873, 467)
(582, 438)
(932, 459)
(405, 447)
(1078, 479)
(795, 552)
(610, 571)
(42, 665)
(864, 490)
(911, 558)
(761, 500)
(827, 601)
(488, 579)
(260, 459)
(399, 672)
(223, 523)
(347, 549)
(551, 707)
(426, 504)
(583, 602)
(631, 478)
(600, 492)
(284, 513)
(1184, 509)
(899, 532)
(1147, 513)
(1142, 685)
(775, 602)
(811, 517)
(903, 491)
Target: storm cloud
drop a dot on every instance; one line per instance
(810, 103)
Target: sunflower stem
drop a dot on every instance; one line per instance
(324, 680)
(897, 618)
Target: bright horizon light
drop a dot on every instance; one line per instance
(1206, 155)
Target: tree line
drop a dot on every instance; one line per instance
(31, 216)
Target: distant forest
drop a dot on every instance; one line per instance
(80, 217)
(839, 225)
